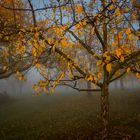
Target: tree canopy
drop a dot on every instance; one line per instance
(73, 41)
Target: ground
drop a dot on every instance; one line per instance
(70, 116)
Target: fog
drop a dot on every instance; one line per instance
(67, 113)
(15, 87)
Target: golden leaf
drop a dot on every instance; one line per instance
(63, 42)
(99, 62)
(108, 67)
(118, 52)
(128, 31)
(118, 13)
(92, 30)
(90, 78)
(99, 75)
(111, 7)
(128, 70)
(122, 59)
(38, 65)
(34, 51)
(120, 34)
(70, 74)
(137, 75)
(49, 40)
(57, 81)
(79, 9)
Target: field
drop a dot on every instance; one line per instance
(70, 116)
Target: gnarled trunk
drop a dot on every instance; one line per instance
(105, 112)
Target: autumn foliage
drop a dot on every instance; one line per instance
(70, 42)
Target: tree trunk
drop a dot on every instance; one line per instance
(105, 112)
(89, 87)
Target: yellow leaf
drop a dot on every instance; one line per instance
(79, 32)
(29, 42)
(34, 51)
(44, 89)
(50, 41)
(38, 65)
(128, 31)
(120, 34)
(90, 78)
(63, 42)
(137, 75)
(111, 7)
(92, 30)
(108, 67)
(79, 9)
(99, 62)
(118, 13)
(107, 58)
(128, 70)
(57, 81)
(23, 30)
(4, 68)
(130, 37)
(118, 52)
(70, 74)
(99, 75)
(122, 59)
(53, 48)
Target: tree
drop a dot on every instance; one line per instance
(12, 24)
(54, 39)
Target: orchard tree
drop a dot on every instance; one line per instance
(55, 44)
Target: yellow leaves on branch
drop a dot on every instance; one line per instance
(59, 31)
(80, 25)
(70, 72)
(41, 86)
(58, 80)
(20, 49)
(106, 56)
(109, 67)
(118, 53)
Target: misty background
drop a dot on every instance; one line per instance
(15, 87)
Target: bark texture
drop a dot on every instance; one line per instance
(105, 112)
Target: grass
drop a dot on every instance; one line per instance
(70, 116)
